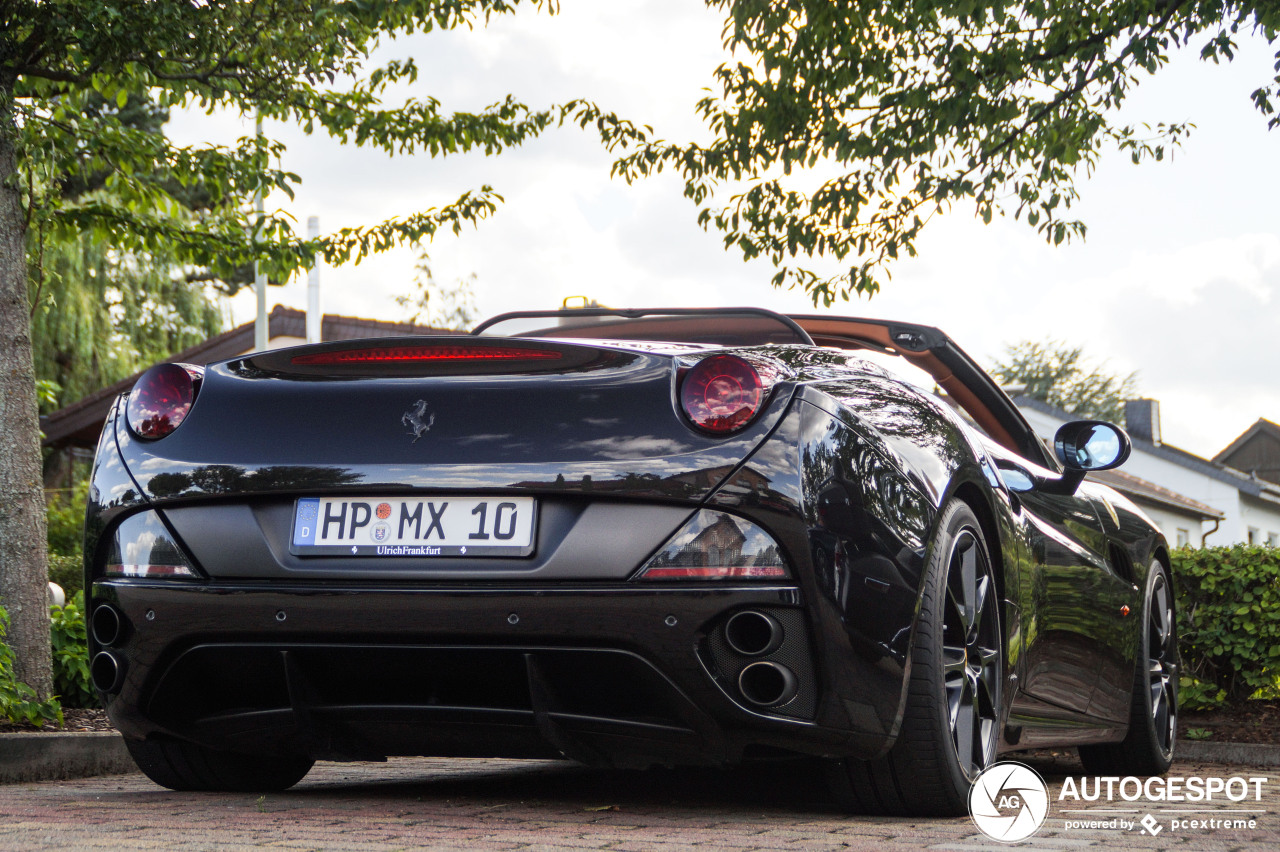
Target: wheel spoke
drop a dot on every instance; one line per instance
(1171, 716)
(1161, 615)
(961, 577)
(963, 733)
(954, 683)
(988, 680)
(1160, 712)
(953, 658)
(968, 554)
(981, 587)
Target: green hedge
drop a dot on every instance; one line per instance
(1229, 623)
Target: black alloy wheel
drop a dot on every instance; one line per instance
(971, 654)
(1153, 714)
(1162, 664)
(951, 725)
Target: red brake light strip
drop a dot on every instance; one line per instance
(426, 353)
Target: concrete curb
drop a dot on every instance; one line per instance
(55, 757)
(1244, 754)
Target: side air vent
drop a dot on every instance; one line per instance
(1121, 563)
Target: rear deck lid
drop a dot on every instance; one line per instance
(444, 413)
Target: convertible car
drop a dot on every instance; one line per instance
(627, 538)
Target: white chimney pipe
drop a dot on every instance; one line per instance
(314, 316)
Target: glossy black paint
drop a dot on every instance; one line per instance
(846, 467)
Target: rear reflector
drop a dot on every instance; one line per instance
(143, 547)
(402, 354)
(717, 546)
(719, 573)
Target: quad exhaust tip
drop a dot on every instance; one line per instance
(106, 625)
(767, 684)
(753, 633)
(106, 672)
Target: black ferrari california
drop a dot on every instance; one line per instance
(627, 538)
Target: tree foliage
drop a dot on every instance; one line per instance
(100, 315)
(77, 163)
(1060, 375)
(298, 62)
(899, 111)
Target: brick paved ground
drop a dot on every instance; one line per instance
(501, 805)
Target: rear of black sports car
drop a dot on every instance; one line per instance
(624, 555)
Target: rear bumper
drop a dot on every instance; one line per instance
(607, 674)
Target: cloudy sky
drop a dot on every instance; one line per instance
(1179, 278)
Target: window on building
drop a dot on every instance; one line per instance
(1254, 534)
(1273, 539)
(1183, 537)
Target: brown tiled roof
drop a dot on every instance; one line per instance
(78, 424)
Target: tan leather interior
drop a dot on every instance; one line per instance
(853, 334)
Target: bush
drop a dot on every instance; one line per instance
(67, 572)
(71, 654)
(18, 702)
(1229, 623)
(64, 514)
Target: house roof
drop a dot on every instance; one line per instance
(1263, 426)
(78, 424)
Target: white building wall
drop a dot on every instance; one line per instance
(1171, 522)
(1240, 511)
(1261, 517)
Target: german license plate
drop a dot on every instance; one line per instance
(413, 526)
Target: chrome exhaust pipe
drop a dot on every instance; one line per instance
(106, 672)
(767, 684)
(753, 633)
(107, 625)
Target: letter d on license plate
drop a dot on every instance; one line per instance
(413, 526)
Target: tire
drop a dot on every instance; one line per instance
(951, 726)
(186, 766)
(1153, 712)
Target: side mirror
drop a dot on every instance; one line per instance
(1086, 445)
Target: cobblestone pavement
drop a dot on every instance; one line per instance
(522, 805)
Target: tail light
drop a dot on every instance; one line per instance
(161, 399)
(143, 547)
(432, 352)
(717, 546)
(721, 394)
